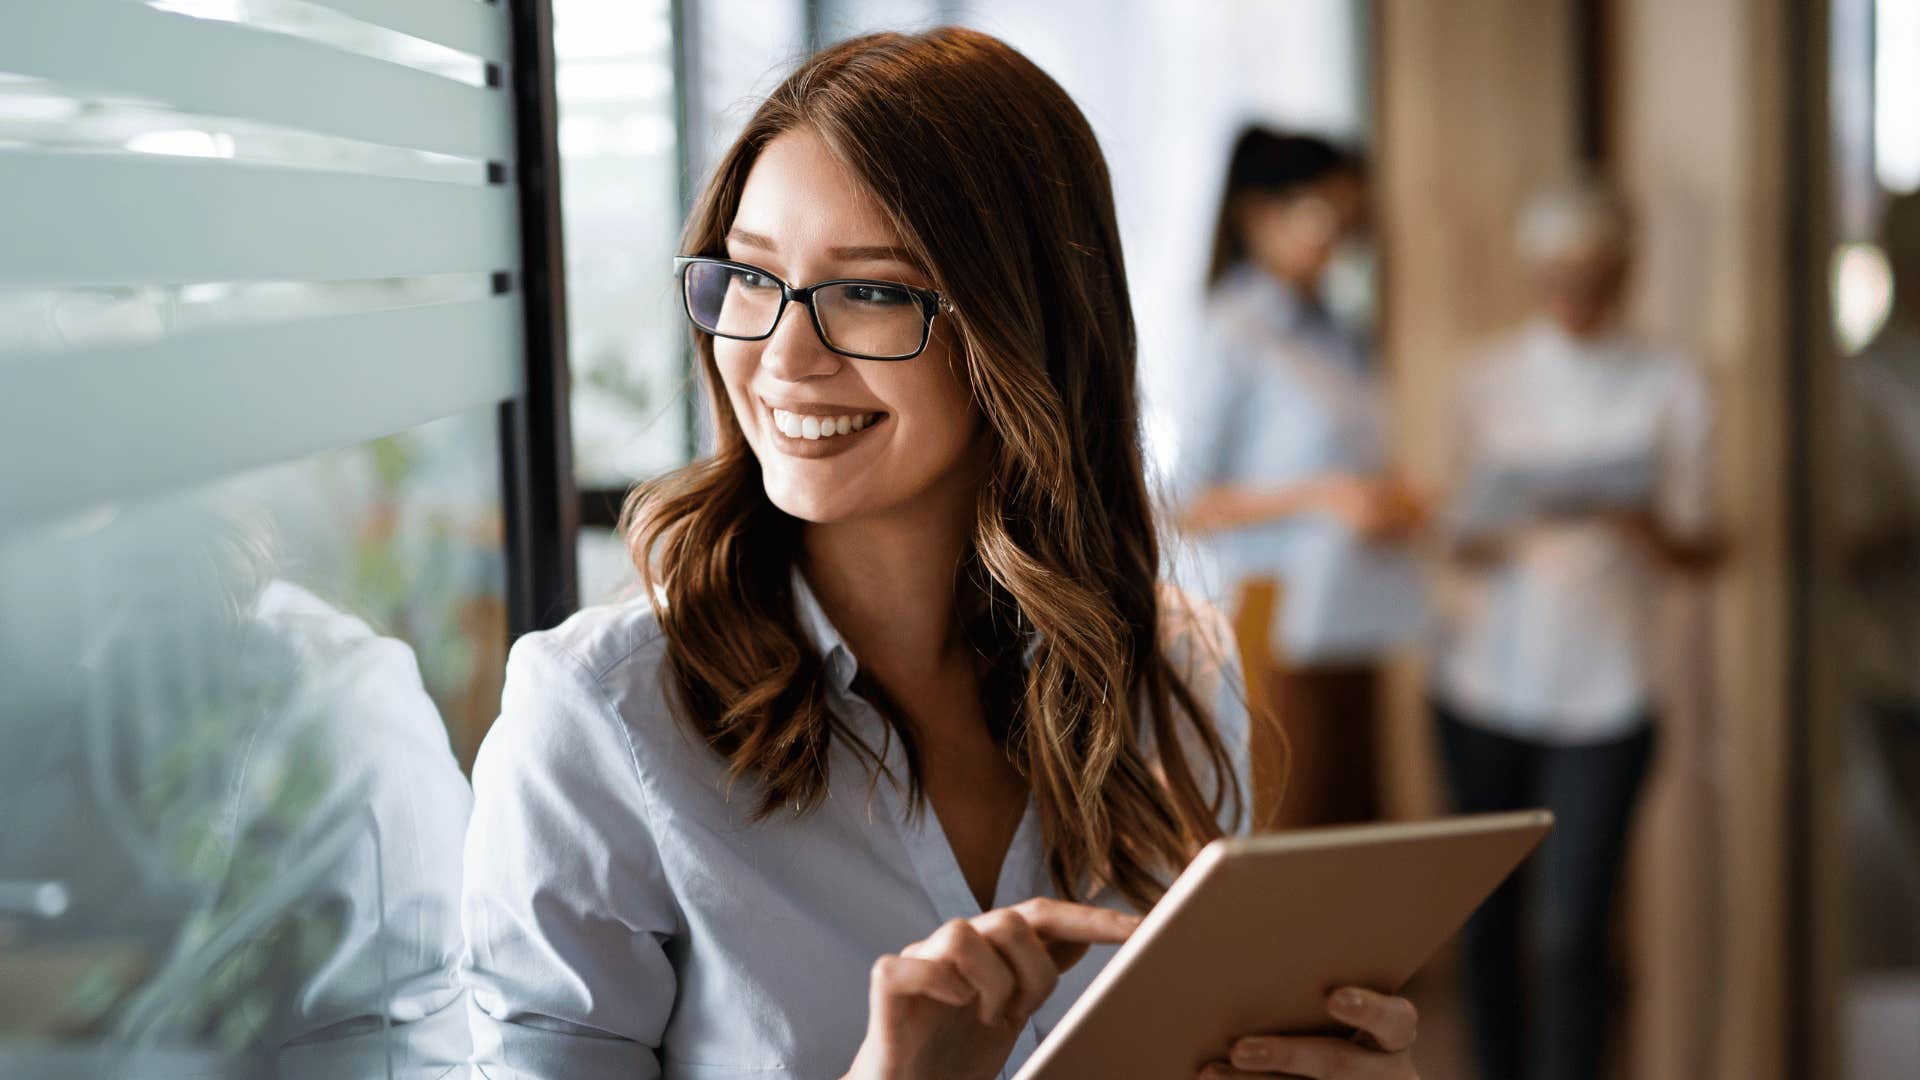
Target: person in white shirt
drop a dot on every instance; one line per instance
(1282, 468)
(903, 725)
(1580, 475)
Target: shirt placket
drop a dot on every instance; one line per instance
(934, 864)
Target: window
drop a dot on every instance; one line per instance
(265, 524)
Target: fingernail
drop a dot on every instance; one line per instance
(1252, 1055)
(1351, 1001)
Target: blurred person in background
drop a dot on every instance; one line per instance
(1879, 526)
(1282, 469)
(1580, 474)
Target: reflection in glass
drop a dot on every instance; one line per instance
(614, 76)
(234, 817)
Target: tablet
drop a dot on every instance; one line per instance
(1258, 929)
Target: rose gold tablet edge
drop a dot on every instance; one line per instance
(1190, 879)
(1378, 832)
(1209, 860)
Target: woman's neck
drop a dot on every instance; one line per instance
(1305, 285)
(888, 586)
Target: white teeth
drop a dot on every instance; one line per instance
(795, 426)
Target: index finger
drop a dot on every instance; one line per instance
(1069, 928)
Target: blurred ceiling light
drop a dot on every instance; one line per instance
(1896, 93)
(223, 10)
(184, 143)
(1862, 294)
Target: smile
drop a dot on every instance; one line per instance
(820, 431)
(822, 426)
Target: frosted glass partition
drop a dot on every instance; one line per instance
(164, 151)
(260, 308)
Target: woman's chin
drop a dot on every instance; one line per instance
(814, 503)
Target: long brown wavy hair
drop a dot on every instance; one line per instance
(997, 186)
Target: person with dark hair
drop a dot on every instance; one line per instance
(904, 731)
(1281, 468)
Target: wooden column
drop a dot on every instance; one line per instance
(1476, 104)
(1480, 102)
(1699, 141)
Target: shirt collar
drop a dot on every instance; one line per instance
(1280, 310)
(1272, 301)
(1559, 344)
(821, 634)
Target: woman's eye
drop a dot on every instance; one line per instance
(878, 295)
(749, 280)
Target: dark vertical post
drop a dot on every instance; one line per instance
(815, 23)
(537, 443)
(1806, 317)
(1592, 60)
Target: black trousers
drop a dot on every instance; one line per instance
(1554, 1025)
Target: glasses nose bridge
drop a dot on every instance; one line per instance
(802, 295)
(791, 297)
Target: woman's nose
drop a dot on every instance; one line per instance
(795, 351)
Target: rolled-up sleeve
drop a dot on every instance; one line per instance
(565, 907)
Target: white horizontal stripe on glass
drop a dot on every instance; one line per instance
(138, 218)
(78, 427)
(222, 68)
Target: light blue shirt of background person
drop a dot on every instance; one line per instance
(623, 916)
(1278, 393)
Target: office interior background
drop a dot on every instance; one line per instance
(355, 320)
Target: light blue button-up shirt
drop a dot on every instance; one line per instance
(1280, 394)
(623, 916)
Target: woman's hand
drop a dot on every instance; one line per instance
(1385, 1029)
(1378, 508)
(950, 1007)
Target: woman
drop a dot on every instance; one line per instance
(1581, 472)
(902, 730)
(1282, 467)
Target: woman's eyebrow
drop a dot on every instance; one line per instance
(750, 239)
(850, 253)
(875, 253)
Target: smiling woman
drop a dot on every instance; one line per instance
(917, 418)
(905, 724)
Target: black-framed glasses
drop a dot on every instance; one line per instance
(857, 317)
